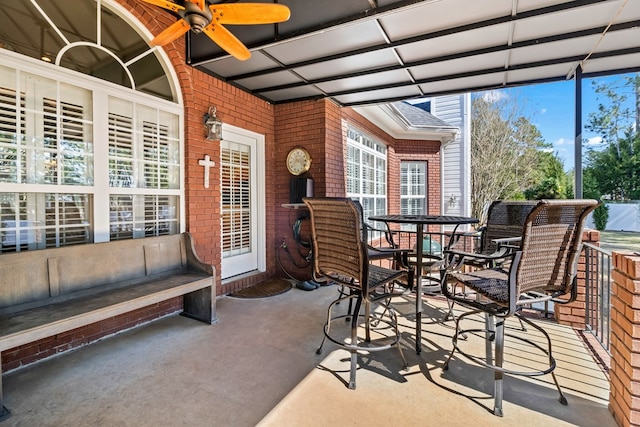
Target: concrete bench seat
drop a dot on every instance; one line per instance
(52, 291)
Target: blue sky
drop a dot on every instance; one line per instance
(550, 107)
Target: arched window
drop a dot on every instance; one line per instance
(87, 36)
(90, 128)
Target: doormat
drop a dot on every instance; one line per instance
(268, 288)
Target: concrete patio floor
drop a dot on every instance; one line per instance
(258, 366)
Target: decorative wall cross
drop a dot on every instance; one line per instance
(207, 163)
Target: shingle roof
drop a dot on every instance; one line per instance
(416, 117)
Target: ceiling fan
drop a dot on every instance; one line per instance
(200, 16)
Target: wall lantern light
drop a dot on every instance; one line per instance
(213, 125)
(452, 201)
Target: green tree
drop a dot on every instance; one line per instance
(601, 216)
(590, 190)
(553, 182)
(613, 167)
(505, 153)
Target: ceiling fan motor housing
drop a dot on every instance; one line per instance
(196, 17)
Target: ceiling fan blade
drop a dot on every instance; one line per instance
(227, 41)
(165, 4)
(171, 33)
(249, 13)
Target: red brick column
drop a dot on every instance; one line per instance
(624, 399)
(574, 314)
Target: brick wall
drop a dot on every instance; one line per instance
(50, 346)
(298, 124)
(624, 374)
(320, 127)
(428, 152)
(237, 108)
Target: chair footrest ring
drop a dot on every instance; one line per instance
(551, 363)
(392, 338)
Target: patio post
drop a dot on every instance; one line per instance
(624, 399)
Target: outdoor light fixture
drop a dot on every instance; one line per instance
(452, 201)
(213, 125)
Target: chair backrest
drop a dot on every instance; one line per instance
(551, 245)
(369, 231)
(505, 219)
(336, 234)
(363, 225)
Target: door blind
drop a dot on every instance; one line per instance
(236, 200)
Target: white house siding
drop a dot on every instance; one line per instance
(456, 155)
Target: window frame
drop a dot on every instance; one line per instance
(374, 202)
(100, 189)
(407, 189)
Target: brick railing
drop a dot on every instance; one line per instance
(573, 314)
(624, 389)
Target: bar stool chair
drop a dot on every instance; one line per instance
(544, 268)
(341, 255)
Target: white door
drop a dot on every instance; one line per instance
(242, 210)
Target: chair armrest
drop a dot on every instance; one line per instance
(388, 234)
(388, 250)
(508, 241)
(399, 255)
(475, 233)
(461, 239)
(455, 259)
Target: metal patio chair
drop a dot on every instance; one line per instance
(388, 251)
(543, 268)
(498, 237)
(341, 255)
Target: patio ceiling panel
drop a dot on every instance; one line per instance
(461, 84)
(362, 52)
(341, 39)
(568, 52)
(361, 98)
(389, 78)
(626, 42)
(349, 65)
(277, 79)
(300, 92)
(600, 66)
(518, 77)
(308, 15)
(228, 65)
(454, 44)
(554, 49)
(472, 65)
(563, 22)
(249, 34)
(441, 16)
(632, 10)
(624, 39)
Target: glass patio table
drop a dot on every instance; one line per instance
(420, 221)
